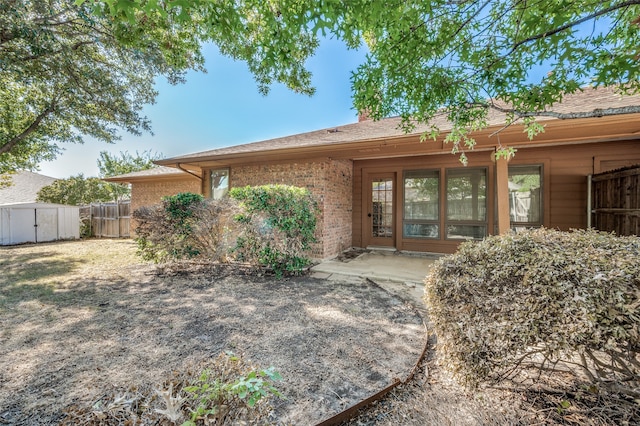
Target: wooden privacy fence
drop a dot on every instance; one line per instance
(109, 220)
(616, 201)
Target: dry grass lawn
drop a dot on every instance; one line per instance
(82, 319)
(85, 321)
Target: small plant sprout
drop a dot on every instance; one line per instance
(253, 387)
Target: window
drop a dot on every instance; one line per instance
(382, 208)
(466, 207)
(219, 181)
(525, 196)
(421, 204)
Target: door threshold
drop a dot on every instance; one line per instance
(382, 248)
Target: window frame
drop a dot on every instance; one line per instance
(211, 189)
(484, 223)
(528, 225)
(437, 221)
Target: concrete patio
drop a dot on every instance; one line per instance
(398, 273)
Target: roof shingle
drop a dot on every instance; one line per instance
(24, 187)
(588, 100)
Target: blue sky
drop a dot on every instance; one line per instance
(223, 108)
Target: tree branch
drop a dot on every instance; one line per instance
(6, 36)
(75, 46)
(574, 23)
(555, 31)
(7, 147)
(598, 112)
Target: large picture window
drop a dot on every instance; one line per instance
(525, 196)
(219, 180)
(421, 204)
(466, 207)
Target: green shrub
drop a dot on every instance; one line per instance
(540, 299)
(180, 207)
(269, 226)
(229, 390)
(278, 226)
(180, 212)
(211, 395)
(186, 226)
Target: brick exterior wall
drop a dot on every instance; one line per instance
(338, 206)
(149, 193)
(330, 182)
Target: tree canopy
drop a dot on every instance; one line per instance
(86, 68)
(66, 74)
(113, 165)
(459, 58)
(76, 191)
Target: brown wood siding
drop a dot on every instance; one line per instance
(569, 170)
(564, 183)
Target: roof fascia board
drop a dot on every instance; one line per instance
(171, 177)
(597, 129)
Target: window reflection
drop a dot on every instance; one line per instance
(421, 204)
(219, 183)
(466, 203)
(525, 196)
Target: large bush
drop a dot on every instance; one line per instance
(543, 299)
(278, 226)
(186, 226)
(270, 226)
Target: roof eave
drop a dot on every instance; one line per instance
(590, 129)
(167, 176)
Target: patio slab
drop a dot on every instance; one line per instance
(400, 274)
(380, 265)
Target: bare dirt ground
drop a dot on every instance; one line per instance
(81, 318)
(83, 321)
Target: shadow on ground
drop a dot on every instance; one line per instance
(77, 331)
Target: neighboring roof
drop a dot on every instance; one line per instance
(24, 187)
(588, 100)
(154, 173)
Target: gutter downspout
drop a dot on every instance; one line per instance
(188, 171)
(589, 212)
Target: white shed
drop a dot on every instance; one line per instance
(38, 222)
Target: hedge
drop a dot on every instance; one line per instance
(541, 299)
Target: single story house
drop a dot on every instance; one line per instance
(377, 186)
